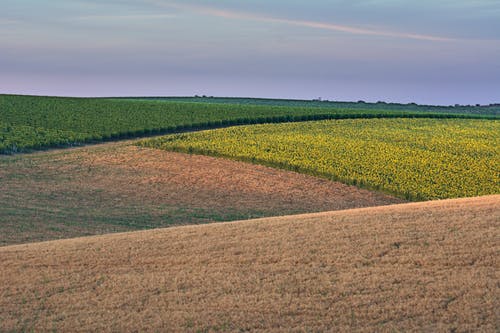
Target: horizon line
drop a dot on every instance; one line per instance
(248, 97)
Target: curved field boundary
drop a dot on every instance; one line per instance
(47, 139)
(29, 123)
(415, 159)
(117, 187)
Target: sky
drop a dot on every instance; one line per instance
(427, 51)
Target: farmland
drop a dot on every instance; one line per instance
(492, 109)
(419, 267)
(31, 122)
(116, 187)
(417, 159)
(320, 236)
(250, 166)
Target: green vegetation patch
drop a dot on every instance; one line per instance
(417, 159)
(29, 122)
(491, 109)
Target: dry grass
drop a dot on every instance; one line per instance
(429, 266)
(117, 187)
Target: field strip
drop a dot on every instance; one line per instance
(120, 187)
(414, 159)
(477, 202)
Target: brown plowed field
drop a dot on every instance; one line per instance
(118, 187)
(427, 267)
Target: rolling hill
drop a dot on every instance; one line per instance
(428, 266)
(116, 187)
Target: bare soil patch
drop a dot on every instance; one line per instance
(421, 267)
(118, 187)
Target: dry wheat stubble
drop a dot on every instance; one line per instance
(416, 267)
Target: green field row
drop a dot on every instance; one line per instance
(28, 122)
(417, 159)
(492, 109)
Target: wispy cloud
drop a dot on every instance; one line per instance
(231, 14)
(123, 17)
(8, 21)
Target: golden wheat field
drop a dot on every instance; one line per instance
(418, 267)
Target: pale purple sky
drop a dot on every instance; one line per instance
(427, 51)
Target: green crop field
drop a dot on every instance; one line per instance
(417, 159)
(492, 109)
(29, 122)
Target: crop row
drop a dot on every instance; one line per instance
(28, 122)
(416, 159)
(492, 109)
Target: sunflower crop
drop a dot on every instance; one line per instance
(417, 159)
